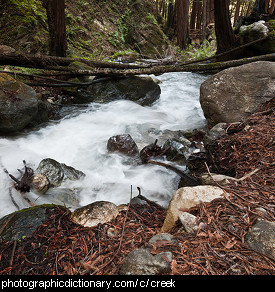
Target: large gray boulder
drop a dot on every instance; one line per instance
(142, 90)
(19, 106)
(233, 94)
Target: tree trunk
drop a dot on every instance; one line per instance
(272, 7)
(204, 19)
(194, 13)
(57, 27)
(237, 11)
(223, 28)
(182, 10)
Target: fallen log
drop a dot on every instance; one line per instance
(157, 70)
(115, 70)
(45, 62)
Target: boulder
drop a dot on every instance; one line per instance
(142, 90)
(255, 31)
(185, 198)
(142, 262)
(233, 94)
(19, 106)
(22, 223)
(123, 144)
(96, 213)
(261, 237)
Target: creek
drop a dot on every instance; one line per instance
(79, 139)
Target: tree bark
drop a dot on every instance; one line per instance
(223, 28)
(182, 10)
(194, 13)
(237, 11)
(57, 27)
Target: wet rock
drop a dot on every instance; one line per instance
(233, 94)
(20, 107)
(18, 104)
(186, 198)
(123, 144)
(40, 183)
(22, 223)
(178, 149)
(55, 173)
(142, 90)
(261, 238)
(96, 213)
(142, 262)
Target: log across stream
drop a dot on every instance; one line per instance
(80, 140)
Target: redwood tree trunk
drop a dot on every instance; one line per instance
(223, 28)
(57, 27)
(182, 10)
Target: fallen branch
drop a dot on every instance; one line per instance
(191, 180)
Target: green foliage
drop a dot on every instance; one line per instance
(205, 50)
(118, 37)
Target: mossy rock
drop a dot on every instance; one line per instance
(19, 224)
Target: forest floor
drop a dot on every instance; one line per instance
(60, 246)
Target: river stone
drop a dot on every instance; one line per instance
(142, 262)
(261, 237)
(40, 183)
(185, 198)
(55, 172)
(142, 90)
(96, 213)
(22, 223)
(178, 149)
(123, 144)
(233, 94)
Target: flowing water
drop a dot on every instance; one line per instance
(80, 140)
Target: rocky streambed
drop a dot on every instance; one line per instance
(222, 225)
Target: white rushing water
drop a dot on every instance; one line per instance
(80, 141)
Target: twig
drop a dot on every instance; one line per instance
(12, 253)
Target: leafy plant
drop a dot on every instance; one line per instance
(206, 49)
